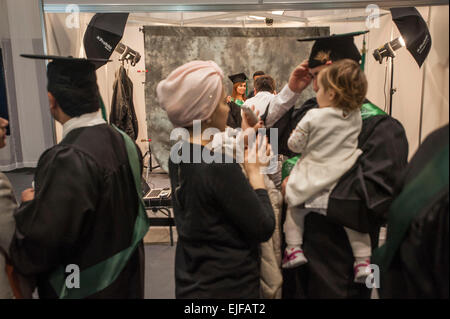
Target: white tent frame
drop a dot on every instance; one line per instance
(58, 6)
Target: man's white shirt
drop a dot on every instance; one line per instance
(278, 104)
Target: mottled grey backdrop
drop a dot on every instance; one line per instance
(235, 50)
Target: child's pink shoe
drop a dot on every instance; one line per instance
(362, 271)
(293, 257)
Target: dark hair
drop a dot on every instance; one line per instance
(348, 81)
(265, 83)
(74, 88)
(257, 73)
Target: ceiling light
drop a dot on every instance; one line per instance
(256, 18)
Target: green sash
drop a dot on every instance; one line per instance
(288, 165)
(368, 110)
(101, 275)
(238, 102)
(102, 107)
(414, 198)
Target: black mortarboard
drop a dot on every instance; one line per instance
(335, 47)
(72, 81)
(236, 78)
(66, 68)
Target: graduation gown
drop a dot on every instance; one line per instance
(414, 260)
(359, 201)
(83, 213)
(234, 116)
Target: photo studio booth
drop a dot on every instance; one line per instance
(148, 39)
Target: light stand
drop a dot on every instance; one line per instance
(387, 51)
(392, 90)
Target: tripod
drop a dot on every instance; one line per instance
(149, 166)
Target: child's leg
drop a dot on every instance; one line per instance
(293, 229)
(362, 250)
(360, 243)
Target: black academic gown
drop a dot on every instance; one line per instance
(359, 201)
(419, 267)
(234, 116)
(84, 212)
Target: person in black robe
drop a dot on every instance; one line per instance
(414, 260)
(362, 196)
(84, 205)
(234, 102)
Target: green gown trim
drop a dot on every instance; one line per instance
(238, 102)
(288, 165)
(102, 107)
(416, 196)
(103, 274)
(369, 109)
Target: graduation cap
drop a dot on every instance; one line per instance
(72, 81)
(236, 78)
(57, 58)
(68, 70)
(335, 47)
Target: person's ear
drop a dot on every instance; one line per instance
(331, 94)
(52, 101)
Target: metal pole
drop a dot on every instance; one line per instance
(424, 73)
(392, 89)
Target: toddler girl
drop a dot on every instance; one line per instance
(327, 138)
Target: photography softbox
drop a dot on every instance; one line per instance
(104, 32)
(414, 31)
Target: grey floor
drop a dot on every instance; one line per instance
(159, 258)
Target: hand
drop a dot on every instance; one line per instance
(283, 186)
(245, 125)
(3, 125)
(228, 99)
(300, 78)
(253, 165)
(28, 195)
(257, 155)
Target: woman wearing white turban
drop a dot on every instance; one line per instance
(221, 216)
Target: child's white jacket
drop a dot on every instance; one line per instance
(328, 142)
